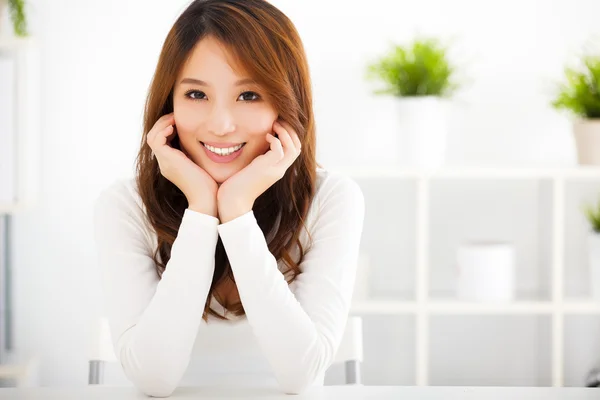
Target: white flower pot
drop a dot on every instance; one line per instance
(587, 141)
(422, 131)
(594, 264)
(486, 272)
(4, 18)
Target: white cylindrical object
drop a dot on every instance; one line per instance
(594, 260)
(101, 344)
(422, 131)
(351, 345)
(587, 141)
(486, 271)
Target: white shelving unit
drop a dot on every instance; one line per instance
(423, 308)
(25, 52)
(24, 142)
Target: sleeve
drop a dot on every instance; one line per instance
(154, 323)
(299, 326)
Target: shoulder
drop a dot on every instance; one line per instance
(335, 189)
(119, 205)
(337, 196)
(120, 195)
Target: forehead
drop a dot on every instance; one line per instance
(211, 60)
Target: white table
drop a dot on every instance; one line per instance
(326, 392)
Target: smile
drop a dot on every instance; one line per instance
(223, 151)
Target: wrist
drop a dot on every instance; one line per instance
(227, 214)
(208, 209)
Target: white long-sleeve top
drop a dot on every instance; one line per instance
(290, 333)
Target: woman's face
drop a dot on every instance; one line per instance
(216, 110)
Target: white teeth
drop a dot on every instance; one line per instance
(224, 151)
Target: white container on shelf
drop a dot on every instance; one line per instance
(422, 131)
(594, 260)
(486, 272)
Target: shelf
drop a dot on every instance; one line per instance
(12, 43)
(7, 208)
(472, 172)
(512, 308)
(455, 307)
(582, 307)
(373, 307)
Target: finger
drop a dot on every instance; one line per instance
(285, 135)
(296, 140)
(293, 134)
(162, 123)
(160, 139)
(276, 149)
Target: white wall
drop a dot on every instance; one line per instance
(98, 58)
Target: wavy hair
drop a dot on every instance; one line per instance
(262, 40)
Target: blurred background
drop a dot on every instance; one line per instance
(479, 263)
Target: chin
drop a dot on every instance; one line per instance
(220, 175)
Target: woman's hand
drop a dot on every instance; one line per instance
(237, 195)
(197, 185)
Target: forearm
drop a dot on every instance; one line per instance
(154, 349)
(299, 347)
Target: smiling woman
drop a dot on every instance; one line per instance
(231, 250)
(222, 122)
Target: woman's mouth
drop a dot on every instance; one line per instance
(222, 154)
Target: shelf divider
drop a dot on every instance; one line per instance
(422, 281)
(557, 282)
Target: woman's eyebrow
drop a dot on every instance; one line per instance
(200, 82)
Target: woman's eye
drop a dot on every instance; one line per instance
(249, 96)
(195, 95)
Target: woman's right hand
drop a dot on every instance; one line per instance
(197, 185)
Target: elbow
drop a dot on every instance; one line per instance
(155, 374)
(295, 384)
(153, 379)
(155, 387)
(298, 380)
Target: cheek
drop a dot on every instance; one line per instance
(186, 120)
(258, 123)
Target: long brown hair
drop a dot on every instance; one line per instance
(265, 42)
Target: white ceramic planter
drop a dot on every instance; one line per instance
(4, 17)
(587, 141)
(486, 272)
(594, 264)
(422, 131)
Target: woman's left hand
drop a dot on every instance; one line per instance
(237, 195)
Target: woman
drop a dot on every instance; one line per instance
(231, 250)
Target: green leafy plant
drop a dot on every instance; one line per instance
(420, 68)
(17, 15)
(580, 94)
(593, 216)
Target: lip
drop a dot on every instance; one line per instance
(221, 145)
(222, 159)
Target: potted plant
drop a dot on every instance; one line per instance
(16, 11)
(593, 216)
(580, 95)
(420, 77)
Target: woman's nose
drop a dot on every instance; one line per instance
(220, 121)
